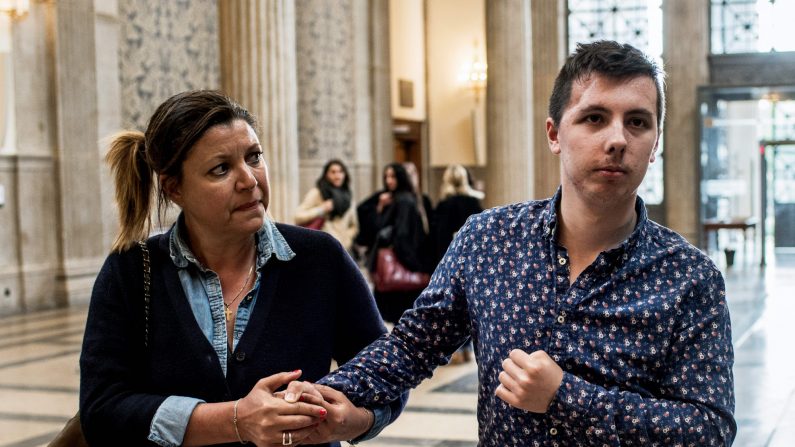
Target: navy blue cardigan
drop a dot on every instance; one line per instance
(310, 310)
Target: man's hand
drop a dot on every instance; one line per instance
(344, 420)
(529, 381)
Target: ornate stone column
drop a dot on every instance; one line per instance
(687, 66)
(509, 102)
(257, 42)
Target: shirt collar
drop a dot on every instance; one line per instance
(549, 218)
(270, 241)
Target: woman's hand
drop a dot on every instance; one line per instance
(344, 420)
(264, 418)
(328, 206)
(384, 200)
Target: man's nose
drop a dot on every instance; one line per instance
(616, 140)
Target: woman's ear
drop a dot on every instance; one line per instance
(170, 186)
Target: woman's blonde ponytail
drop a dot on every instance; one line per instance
(134, 185)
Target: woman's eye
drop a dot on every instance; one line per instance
(220, 170)
(254, 158)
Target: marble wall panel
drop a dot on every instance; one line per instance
(326, 77)
(166, 47)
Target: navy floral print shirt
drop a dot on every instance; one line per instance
(643, 334)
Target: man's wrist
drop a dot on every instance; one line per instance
(369, 419)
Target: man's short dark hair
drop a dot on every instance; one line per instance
(608, 58)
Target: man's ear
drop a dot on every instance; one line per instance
(170, 186)
(552, 137)
(654, 149)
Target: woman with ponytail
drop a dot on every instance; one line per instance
(201, 357)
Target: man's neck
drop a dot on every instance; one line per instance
(589, 228)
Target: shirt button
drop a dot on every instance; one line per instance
(240, 356)
(562, 261)
(553, 431)
(561, 319)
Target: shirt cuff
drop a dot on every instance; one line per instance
(575, 408)
(171, 420)
(381, 415)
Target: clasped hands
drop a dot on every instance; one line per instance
(304, 413)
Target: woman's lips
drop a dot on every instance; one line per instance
(248, 206)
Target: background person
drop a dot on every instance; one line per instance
(400, 224)
(330, 200)
(457, 201)
(230, 307)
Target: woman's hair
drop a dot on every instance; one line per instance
(137, 159)
(401, 177)
(405, 184)
(335, 161)
(456, 182)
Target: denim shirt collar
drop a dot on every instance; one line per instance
(269, 242)
(549, 218)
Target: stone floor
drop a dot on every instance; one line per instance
(39, 379)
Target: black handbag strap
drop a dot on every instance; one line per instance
(147, 282)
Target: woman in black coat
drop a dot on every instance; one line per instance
(458, 201)
(402, 224)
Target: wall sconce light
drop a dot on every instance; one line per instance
(15, 8)
(475, 74)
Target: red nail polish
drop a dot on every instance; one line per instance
(322, 411)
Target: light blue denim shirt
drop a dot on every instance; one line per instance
(203, 290)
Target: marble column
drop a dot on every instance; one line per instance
(257, 42)
(509, 102)
(549, 53)
(77, 153)
(687, 67)
(380, 109)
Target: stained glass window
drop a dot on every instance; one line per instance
(752, 26)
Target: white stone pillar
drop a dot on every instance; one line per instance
(549, 52)
(509, 102)
(257, 41)
(77, 153)
(687, 67)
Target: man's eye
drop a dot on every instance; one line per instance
(593, 118)
(637, 122)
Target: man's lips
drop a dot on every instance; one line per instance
(610, 171)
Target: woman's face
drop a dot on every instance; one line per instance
(224, 190)
(335, 175)
(390, 181)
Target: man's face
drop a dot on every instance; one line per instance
(606, 138)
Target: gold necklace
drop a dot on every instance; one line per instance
(227, 309)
